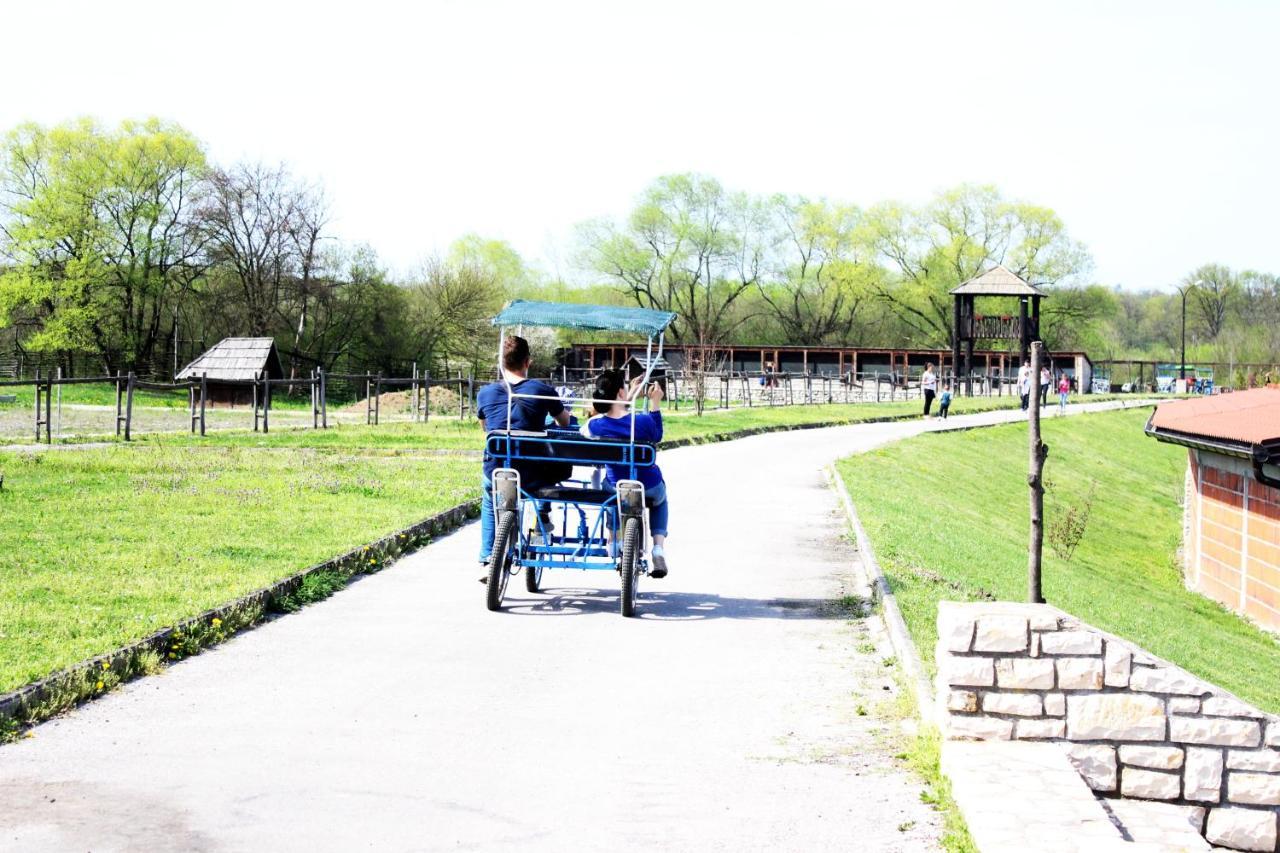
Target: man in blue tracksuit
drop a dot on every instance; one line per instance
(614, 421)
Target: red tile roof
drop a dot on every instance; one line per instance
(1244, 417)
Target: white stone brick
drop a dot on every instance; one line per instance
(1184, 705)
(1017, 704)
(1096, 763)
(969, 672)
(1118, 663)
(962, 700)
(1055, 705)
(979, 728)
(1001, 634)
(1259, 789)
(1165, 679)
(1035, 645)
(1273, 734)
(1149, 784)
(1152, 757)
(1024, 729)
(1024, 674)
(1115, 716)
(1261, 760)
(955, 632)
(1221, 706)
(1202, 775)
(1079, 673)
(1218, 731)
(1242, 829)
(1071, 643)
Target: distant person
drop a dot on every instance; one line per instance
(1024, 385)
(944, 402)
(526, 415)
(613, 420)
(929, 385)
(1064, 391)
(1046, 379)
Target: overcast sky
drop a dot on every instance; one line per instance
(1152, 128)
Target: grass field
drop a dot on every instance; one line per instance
(947, 514)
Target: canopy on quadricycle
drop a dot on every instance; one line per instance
(568, 315)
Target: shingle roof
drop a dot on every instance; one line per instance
(1242, 417)
(999, 281)
(236, 360)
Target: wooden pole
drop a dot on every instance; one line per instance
(204, 398)
(324, 401)
(38, 401)
(1037, 451)
(377, 400)
(128, 408)
(368, 400)
(255, 404)
(266, 403)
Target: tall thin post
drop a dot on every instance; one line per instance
(119, 404)
(1037, 451)
(324, 401)
(426, 395)
(255, 403)
(128, 408)
(204, 398)
(59, 402)
(368, 400)
(377, 400)
(266, 404)
(191, 407)
(38, 404)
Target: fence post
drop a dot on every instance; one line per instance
(471, 392)
(255, 402)
(37, 419)
(204, 396)
(59, 402)
(128, 408)
(191, 407)
(377, 401)
(266, 403)
(1037, 451)
(368, 400)
(324, 400)
(426, 395)
(413, 394)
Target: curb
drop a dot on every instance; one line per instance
(77, 684)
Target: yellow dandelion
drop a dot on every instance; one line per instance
(99, 685)
(172, 655)
(105, 666)
(216, 621)
(30, 734)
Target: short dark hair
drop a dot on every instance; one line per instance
(515, 352)
(608, 384)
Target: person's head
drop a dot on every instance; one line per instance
(928, 368)
(610, 387)
(515, 354)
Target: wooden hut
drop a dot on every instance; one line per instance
(232, 365)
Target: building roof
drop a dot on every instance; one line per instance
(1246, 419)
(998, 281)
(566, 315)
(236, 360)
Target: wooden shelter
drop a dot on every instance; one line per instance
(232, 366)
(969, 326)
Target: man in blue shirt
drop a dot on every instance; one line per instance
(614, 421)
(527, 415)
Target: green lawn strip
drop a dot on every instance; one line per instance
(947, 514)
(101, 547)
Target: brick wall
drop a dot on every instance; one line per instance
(1232, 544)
(1135, 726)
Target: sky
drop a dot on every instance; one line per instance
(1150, 127)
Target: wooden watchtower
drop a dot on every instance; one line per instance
(969, 326)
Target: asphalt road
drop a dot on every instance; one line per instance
(745, 710)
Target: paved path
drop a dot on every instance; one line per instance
(742, 712)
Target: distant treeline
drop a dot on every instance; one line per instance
(127, 248)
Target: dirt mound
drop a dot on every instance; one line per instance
(444, 401)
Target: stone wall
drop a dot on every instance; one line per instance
(1134, 726)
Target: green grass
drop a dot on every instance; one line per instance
(947, 514)
(100, 547)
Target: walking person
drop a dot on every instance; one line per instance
(1064, 391)
(944, 402)
(1024, 384)
(1046, 379)
(929, 385)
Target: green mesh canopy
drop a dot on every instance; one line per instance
(566, 315)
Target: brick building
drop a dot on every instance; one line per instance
(1231, 546)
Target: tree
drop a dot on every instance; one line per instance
(450, 304)
(1213, 295)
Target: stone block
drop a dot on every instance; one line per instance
(1202, 775)
(1115, 716)
(1079, 673)
(1217, 731)
(1027, 729)
(1024, 674)
(969, 672)
(1151, 757)
(1016, 704)
(955, 632)
(1035, 645)
(1261, 760)
(1071, 643)
(1273, 734)
(1221, 706)
(1149, 784)
(1165, 679)
(1119, 661)
(1184, 705)
(979, 728)
(1259, 789)
(1242, 829)
(1055, 704)
(962, 700)
(1096, 763)
(1001, 634)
